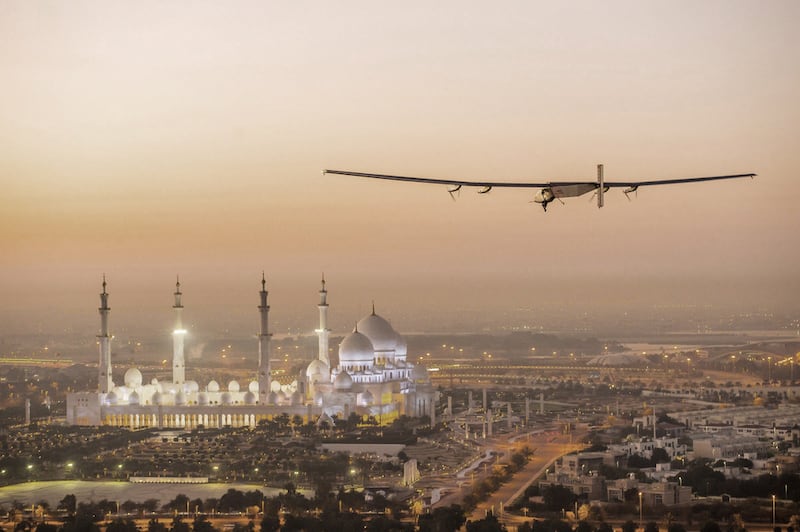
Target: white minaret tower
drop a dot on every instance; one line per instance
(323, 332)
(104, 382)
(178, 335)
(264, 338)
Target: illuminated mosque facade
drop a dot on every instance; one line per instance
(372, 378)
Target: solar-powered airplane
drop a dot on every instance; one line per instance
(548, 191)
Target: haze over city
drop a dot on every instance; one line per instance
(148, 140)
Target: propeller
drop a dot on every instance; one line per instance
(634, 189)
(454, 191)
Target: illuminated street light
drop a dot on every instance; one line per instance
(640, 509)
(773, 511)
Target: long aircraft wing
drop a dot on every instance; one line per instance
(511, 184)
(455, 182)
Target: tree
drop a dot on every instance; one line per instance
(651, 526)
(46, 527)
(68, 503)
(202, 524)
(629, 526)
(584, 526)
(121, 525)
(551, 525)
(557, 498)
(443, 519)
(605, 527)
(155, 526)
(676, 527)
(178, 525)
(179, 503)
(384, 524)
(710, 526)
(487, 524)
(270, 523)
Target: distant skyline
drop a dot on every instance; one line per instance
(145, 140)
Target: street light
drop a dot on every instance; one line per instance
(640, 509)
(773, 511)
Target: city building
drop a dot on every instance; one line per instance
(372, 377)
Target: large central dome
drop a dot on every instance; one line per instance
(356, 350)
(379, 331)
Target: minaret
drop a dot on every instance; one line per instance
(264, 338)
(323, 332)
(104, 383)
(178, 363)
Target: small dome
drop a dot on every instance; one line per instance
(154, 381)
(191, 386)
(280, 397)
(180, 398)
(202, 398)
(356, 349)
(253, 387)
(133, 378)
(157, 398)
(272, 397)
(233, 386)
(318, 369)
(420, 374)
(343, 381)
(366, 398)
(213, 386)
(379, 331)
(133, 398)
(249, 398)
(111, 397)
(225, 398)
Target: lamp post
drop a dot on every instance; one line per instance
(773, 511)
(640, 509)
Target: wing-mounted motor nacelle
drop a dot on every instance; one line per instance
(543, 197)
(630, 190)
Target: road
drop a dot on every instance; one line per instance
(548, 447)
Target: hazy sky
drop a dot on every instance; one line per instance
(145, 139)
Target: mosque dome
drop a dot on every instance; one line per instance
(202, 398)
(343, 381)
(280, 397)
(154, 381)
(318, 369)
(379, 331)
(249, 398)
(213, 386)
(253, 386)
(272, 397)
(133, 378)
(133, 398)
(356, 350)
(180, 398)
(366, 398)
(420, 374)
(233, 386)
(157, 398)
(297, 398)
(111, 397)
(225, 398)
(191, 386)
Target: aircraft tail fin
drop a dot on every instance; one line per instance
(600, 186)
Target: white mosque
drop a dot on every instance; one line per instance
(372, 377)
